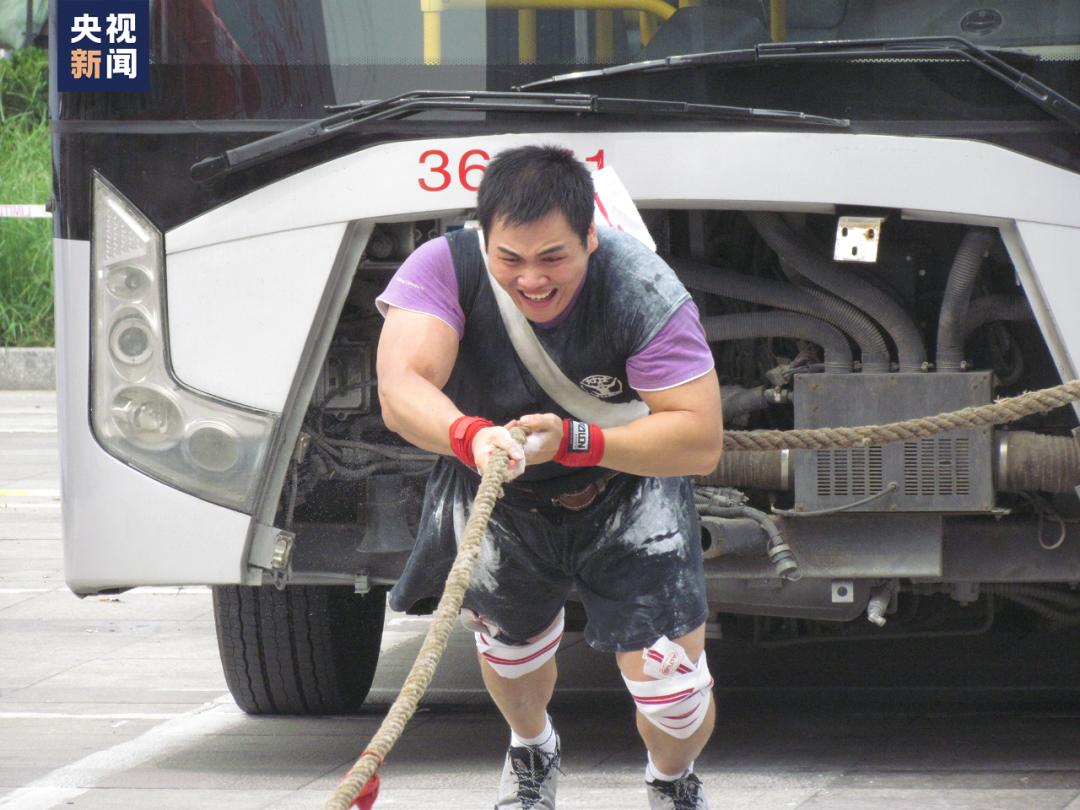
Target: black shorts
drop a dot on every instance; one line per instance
(633, 556)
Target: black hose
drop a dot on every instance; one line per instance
(738, 401)
(861, 294)
(990, 308)
(954, 306)
(746, 325)
(721, 281)
(1032, 461)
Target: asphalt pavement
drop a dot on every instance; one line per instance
(119, 702)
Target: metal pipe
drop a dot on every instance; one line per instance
(778, 20)
(431, 9)
(527, 36)
(778, 324)
(605, 37)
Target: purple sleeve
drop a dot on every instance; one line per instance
(426, 283)
(677, 354)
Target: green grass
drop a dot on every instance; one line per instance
(26, 314)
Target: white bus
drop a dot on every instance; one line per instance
(876, 205)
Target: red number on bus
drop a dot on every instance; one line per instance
(439, 169)
(464, 167)
(598, 159)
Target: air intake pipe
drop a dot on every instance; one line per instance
(720, 281)
(746, 325)
(861, 294)
(954, 306)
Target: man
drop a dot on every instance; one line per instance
(608, 511)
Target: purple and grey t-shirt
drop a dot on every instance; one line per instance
(426, 282)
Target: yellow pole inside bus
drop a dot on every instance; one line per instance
(605, 37)
(432, 37)
(527, 37)
(778, 20)
(689, 3)
(646, 26)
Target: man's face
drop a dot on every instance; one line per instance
(540, 264)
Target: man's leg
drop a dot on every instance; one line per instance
(523, 701)
(671, 754)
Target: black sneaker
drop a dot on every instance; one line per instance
(686, 793)
(529, 778)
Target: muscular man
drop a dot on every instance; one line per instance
(607, 511)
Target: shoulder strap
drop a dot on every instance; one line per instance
(549, 376)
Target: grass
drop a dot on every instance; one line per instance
(26, 309)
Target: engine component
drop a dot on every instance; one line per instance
(346, 379)
(873, 350)
(951, 472)
(880, 599)
(857, 239)
(1031, 461)
(783, 324)
(865, 296)
(954, 307)
(991, 308)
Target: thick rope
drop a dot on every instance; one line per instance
(446, 614)
(996, 413)
(423, 669)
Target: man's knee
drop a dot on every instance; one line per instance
(676, 699)
(512, 660)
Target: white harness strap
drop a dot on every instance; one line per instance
(549, 376)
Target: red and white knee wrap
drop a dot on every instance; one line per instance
(677, 699)
(513, 661)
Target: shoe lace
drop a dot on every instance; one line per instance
(532, 767)
(684, 793)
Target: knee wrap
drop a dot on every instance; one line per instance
(513, 661)
(677, 698)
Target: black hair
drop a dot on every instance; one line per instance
(527, 183)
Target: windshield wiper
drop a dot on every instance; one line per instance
(1048, 99)
(316, 132)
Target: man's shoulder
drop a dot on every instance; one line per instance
(629, 265)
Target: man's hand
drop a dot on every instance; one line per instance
(488, 440)
(545, 435)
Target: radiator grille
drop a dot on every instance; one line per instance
(937, 467)
(854, 472)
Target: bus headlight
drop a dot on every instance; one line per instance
(139, 412)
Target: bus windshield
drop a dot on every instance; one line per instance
(271, 59)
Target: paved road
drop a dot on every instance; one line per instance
(119, 702)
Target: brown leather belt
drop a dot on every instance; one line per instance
(585, 497)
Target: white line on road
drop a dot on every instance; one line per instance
(16, 431)
(29, 493)
(75, 779)
(71, 716)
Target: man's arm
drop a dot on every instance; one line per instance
(415, 357)
(683, 435)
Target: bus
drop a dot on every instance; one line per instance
(875, 204)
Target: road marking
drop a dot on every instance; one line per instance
(15, 507)
(73, 780)
(16, 431)
(29, 493)
(29, 590)
(69, 716)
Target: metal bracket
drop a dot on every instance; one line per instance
(857, 239)
(843, 591)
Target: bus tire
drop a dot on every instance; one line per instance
(304, 650)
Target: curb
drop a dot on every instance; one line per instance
(27, 369)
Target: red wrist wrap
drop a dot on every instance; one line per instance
(462, 432)
(582, 444)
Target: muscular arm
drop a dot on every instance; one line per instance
(683, 435)
(415, 357)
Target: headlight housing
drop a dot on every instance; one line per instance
(139, 412)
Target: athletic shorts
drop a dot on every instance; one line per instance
(633, 557)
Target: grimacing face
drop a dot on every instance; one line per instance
(540, 264)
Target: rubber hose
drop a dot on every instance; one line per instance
(954, 306)
(990, 308)
(737, 400)
(751, 469)
(746, 325)
(721, 281)
(1033, 461)
(861, 294)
